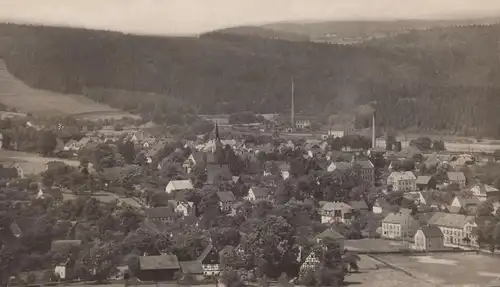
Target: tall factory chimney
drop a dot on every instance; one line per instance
(292, 112)
(374, 136)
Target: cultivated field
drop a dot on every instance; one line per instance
(16, 94)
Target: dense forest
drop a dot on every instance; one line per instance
(437, 79)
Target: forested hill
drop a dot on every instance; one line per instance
(445, 78)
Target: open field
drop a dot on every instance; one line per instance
(30, 163)
(16, 94)
(374, 245)
(448, 269)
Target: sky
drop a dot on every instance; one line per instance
(170, 17)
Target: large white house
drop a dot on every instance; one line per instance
(456, 228)
(399, 225)
(402, 181)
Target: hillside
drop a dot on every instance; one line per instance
(15, 94)
(437, 79)
(349, 32)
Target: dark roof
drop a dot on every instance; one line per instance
(55, 164)
(64, 245)
(8, 172)
(159, 262)
(260, 191)
(431, 231)
(199, 157)
(218, 170)
(191, 267)
(226, 196)
(423, 179)
(358, 205)
(159, 212)
(209, 255)
(331, 234)
(365, 164)
(284, 167)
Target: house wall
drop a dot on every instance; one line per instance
(211, 269)
(403, 184)
(285, 174)
(420, 243)
(156, 275)
(454, 236)
(391, 230)
(60, 271)
(423, 243)
(408, 228)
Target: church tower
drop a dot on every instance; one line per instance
(217, 144)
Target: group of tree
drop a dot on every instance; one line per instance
(423, 88)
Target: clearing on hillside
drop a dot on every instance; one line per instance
(16, 94)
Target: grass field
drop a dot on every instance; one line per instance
(30, 163)
(448, 269)
(16, 94)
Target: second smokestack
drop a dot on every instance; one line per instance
(374, 138)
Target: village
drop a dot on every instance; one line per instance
(122, 204)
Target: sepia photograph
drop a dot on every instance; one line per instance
(233, 143)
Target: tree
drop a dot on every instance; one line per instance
(100, 262)
(127, 150)
(47, 142)
(231, 279)
(438, 145)
(284, 281)
(422, 143)
(485, 209)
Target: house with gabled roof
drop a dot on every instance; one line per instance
(464, 205)
(425, 182)
(402, 181)
(455, 227)
(331, 234)
(161, 214)
(158, 267)
(429, 238)
(484, 191)
(256, 194)
(226, 200)
(179, 185)
(399, 224)
(210, 261)
(336, 211)
(184, 208)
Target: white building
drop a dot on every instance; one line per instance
(179, 185)
(399, 225)
(456, 228)
(402, 181)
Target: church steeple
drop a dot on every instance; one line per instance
(217, 137)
